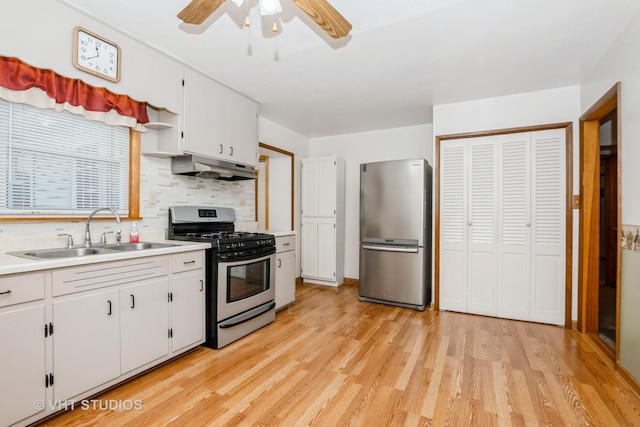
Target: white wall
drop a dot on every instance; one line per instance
(525, 109)
(280, 193)
(273, 134)
(622, 63)
(40, 32)
(356, 148)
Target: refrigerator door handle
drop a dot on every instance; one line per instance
(412, 250)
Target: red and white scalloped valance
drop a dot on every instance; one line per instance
(20, 82)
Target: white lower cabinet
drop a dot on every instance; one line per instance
(22, 363)
(86, 345)
(144, 323)
(98, 325)
(285, 271)
(187, 309)
(319, 249)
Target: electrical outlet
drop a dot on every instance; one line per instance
(153, 197)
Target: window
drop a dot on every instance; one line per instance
(59, 164)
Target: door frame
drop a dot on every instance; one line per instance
(568, 127)
(588, 252)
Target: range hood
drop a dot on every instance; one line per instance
(206, 167)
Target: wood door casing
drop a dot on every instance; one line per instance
(588, 257)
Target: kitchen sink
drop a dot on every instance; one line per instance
(137, 246)
(61, 253)
(82, 251)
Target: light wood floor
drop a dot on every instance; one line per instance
(329, 360)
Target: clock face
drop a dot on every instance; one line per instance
(96, 55)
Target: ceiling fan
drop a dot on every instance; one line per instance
(319, 10)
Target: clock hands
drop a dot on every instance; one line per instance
(94, 56)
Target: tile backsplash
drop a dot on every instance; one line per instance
(159, 189)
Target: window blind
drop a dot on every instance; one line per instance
(60, 164)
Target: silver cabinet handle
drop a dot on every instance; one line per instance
(109, 312)
(231, 151)
(221, 149)
(201, 285)
(286, 244)
(5, 292)
(133, 301)
(279, 263)
(193, 261)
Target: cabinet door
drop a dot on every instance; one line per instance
(242, 129)
(309, 187)
(326, 249)
(86, 350)
(187, 308)
(285, 278)
(309, 247)
(319, 187)
(144, 323)
(204, 116)
(22, 363)
(326, 184)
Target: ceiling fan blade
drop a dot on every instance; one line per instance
(199, 10)
(326, 16)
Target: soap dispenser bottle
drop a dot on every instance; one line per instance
(133, 234)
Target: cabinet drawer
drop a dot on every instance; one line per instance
(285, 243)
(187, 261)
(19, 288)
(93, 276)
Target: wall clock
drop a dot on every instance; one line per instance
(96, 55)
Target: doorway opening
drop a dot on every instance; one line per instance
(607, 290)
(274, 189)
(599, 253)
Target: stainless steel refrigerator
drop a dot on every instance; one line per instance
(395, 233)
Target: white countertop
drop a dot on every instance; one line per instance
(281, 233)
(10, 264)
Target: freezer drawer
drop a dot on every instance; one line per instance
(394, 275)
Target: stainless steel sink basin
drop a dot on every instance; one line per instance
(138, 246)
(61, 253)
(81, 252)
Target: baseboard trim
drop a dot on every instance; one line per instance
(351, 282)
(628, 378)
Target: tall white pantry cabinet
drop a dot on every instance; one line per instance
(502, 225)
(322, 235)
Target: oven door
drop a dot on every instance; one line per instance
(244, 285)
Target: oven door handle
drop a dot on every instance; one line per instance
(245, 317)
(233, 258)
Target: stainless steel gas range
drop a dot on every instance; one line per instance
(240, 271)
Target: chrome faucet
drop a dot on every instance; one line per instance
(87, 232)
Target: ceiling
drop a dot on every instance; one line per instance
(400, 59)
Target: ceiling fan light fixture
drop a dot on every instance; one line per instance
(269, 7)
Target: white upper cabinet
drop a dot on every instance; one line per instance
(218, 122)
(319, 187)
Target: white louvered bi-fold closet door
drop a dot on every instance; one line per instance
(453, 225)
(502, 225)
(482, 209)
(548, 233)
(514, 219)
